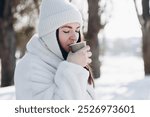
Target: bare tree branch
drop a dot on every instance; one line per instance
(141, 20)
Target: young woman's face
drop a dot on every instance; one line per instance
(68, 34)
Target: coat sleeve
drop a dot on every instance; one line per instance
(68, 82)
(71, 81)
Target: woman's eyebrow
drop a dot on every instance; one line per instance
(69, 27)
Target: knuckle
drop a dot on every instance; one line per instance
(90, 53)
(90, 61)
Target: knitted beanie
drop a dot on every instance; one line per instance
(56, 13)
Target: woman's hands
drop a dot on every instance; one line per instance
(81, 57)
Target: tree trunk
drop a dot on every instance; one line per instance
(92, 35)
(144, 20)
(146, 47)
(7, 38)
(146, 36)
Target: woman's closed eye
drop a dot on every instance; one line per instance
(66, 31)
(77, 31)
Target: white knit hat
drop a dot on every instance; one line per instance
(56, 13)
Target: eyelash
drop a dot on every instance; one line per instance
(66, 31)
(69, 31)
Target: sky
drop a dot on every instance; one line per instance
(124, 22)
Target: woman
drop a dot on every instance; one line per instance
(49, 70)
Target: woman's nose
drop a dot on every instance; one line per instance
(74, 36)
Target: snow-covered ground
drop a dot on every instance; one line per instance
(123, 78)
(7, 93)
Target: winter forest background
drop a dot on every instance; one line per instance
(118, 32)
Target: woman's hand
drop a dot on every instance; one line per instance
(81, 57)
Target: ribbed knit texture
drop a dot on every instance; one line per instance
(56, 13)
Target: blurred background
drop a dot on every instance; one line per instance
(118, 32)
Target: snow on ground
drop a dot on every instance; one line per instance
(7, 93)
(122, 78)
